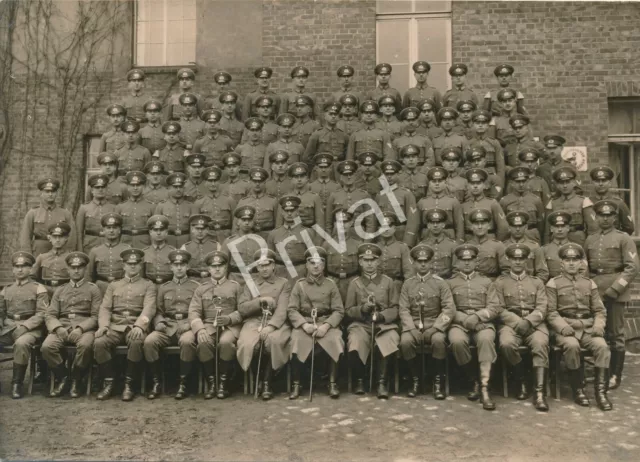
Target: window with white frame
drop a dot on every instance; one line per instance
(414, 30)
(165, 32)
(624, 151)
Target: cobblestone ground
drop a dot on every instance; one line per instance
(351, 428)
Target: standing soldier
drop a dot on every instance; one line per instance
(279, 183)
(501, 121)
(522, 302)
(266, 206)
(536, 264)
(602, 177)
(173, 105)
(553, 145)
(411, 118)
(368, 174)
(465, 109)
(383, 76)
(323, 185)
(299, 76)
(216, 205)
(426, 310)
(285, 141)
(253, 150)
(349, 122)
(536, 184)
(492, 148)
(311, 210)
(155, 191)
(105, 264)
(192, 127)
(422, 91)
(171, 325)
(580, 207)
(173, 154)
(342, 265)
(90, 214)
(50, 268)
(448, 138)
(306, 124)
(200, 245)
(265, 329)
(347, 196)
(114, 139)
(71, 318)
(490, 251)
(328, 138)
(230, 124)
(222, 81)
(135, 212)
(124, 318)
(195, 187)
(177, 210)
(115, 191)
(438, 198)
(372, 299)
(263, 80)
(559, 224)
(22, 309)
(216, 322)
(265, 113)
(402, 198)
(578, 317)
(213, 144)
(370, 138)
(151, 135)
(395, 260)
(521, 199)
(388, 121)
(504, 75)
(613, 262)
(476, 157)
(35, 226)
(498, 227)
(345, 76)
(459, 92)
(442, 245)
(524, 139)
(235, 187)
(411, 176)
(428, 122)
(134, 101)
(131, 156)
(244, 246)
(451, 158)
(473, 324)
(315, 311)
(157, 268)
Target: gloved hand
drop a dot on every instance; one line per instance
(136, 333)
(270, 301)
(567, 331)
(471, 322)
(203, 336)
(322, 330)
(18, 332)
(224, 320)
(161, 327)
(309, 328)
(266, 331)
(523, 327)
(62, 333)
(101, 331)
(75, 335)
(366, 308)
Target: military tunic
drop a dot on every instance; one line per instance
(89, 225)
(415, 181)
(415, 95)
(112, 140)
(198, 269)
(442, 260)
(624, 220)
(457, 186)
(495, 106)
(311, 210)
(291, 147)
(293, 240)
(194, 191)
(349, 126)
(213, 148)
(453, 95)
(266, 211)
(219, 207)
(278, 186)
(390, 125)
(132, 158)
(324, 189)
(395, 260)
(342, 266)
(245, 247)
(448, 140)
(583, 219)
(178, 213)
(327, 140)
(269, 132)
(152, 137)
(499, 226)
(408, 230)
(191, 130)
(490, 257)
(231, 127)
(344, 198)
(530, 203)
(386, 90)
(173, 108)
(432, 130)
(157, 267)
(370, 139)
(536, 262)
(155, 194)
(302, 131)
(495, 156)
(172, 157)
(454, 225)
(554, 263)
(236, 189)
(426, 157)
(521, 144)
(105, 264)
(135, 214)
(50, 269)
(252, 155)
(35, 228)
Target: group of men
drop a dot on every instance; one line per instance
(241, 240)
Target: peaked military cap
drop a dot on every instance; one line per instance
(341, 214)
(289, 202)
(228, 96)
(298, 169)
(437, 173)
(505, 94)
(199, 220)
(332, 107)
(211, 116)
(188, 98)
(299, 71)
(451, 153)
(264, 256)
(570, 251)
(179, 256)
(253, 124)
(246, 212)
(427, 105)
(475, 175)
(258, 174)
(135, 74)
(153, 105)
(263, 73)
(286, 120)
(111, 219)
(116, 109)
(390, 218)
(390, 167)
(347, 167)
(517, 251)
(323, 159)
(517, 218)
(559, 218)
(481, 116)
(476, 152)
(132, 256)
(410, 113)
(279, 157)
(216, 258)
(478, 215)
(369, 106)
(383, 68)
(135, 177)
(106, 158)
(155, 166)
(211, 173)
(605, 207)
(346, 71)
(59, 229)
(518, 120)
(554, 141)
(447, 113)
(22, 259)
(185, 73)
(264, 100)
(529, 155)
(348, 100)
(195, 160)
(157, 222)
(304, 100)
(601, 173)
(77, 259)
(48, 184)
(98, 181)
(421, 252)
(519, 173)
(564, 173)
(369, 251)
(503, 69)
(316, 252)
(421, 66)
(458, 69)
(466, 252)
(436, 215)
(171, 127)
(368, 158)
(222, 77)
(466, 105)
(176, 179)
(409, 150)
(130, 126)
(232, 158)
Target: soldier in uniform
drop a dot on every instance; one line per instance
(521, 300)
(124, 318)
(192, 126)
(311, 210)
(172, 155)
(368, 173)
(131, 156)
(35, 226)
(383, 76)
(504, 75)
(349, 122)
(372, 309)
(437, 197)
(411, 118)
(524, 139)
(151, 135)
(494, 153)
(559, 224)
(395, 261)
(173, 106)
(195, 187)
(370, 138)
(422, 91)
(216, 322)
(235, 186)
(388, 121)
(171, 326)
(157, 267)
(602, 177)
(476, 157)
(285, 141)
(491, 251)
(217, 205)
(578, 317)
(50, 268)
(501, 125)
(448, 138)
(299, 76)
(328, 138)
(263, 81)
(580, 207)
(315, 311)
(536, 264)
(22, 310)
(230, 123)
(552, 159)
(279, 183)
(113, 139)
(521, 199)
(345, 76)
(473, 324)
(323, 185)
(426, 310)
(240, 244)
(266, 206)
(403, 198)
(459, 92)
(222, 80)
(306, 124)
(89, 214)
(177, 210)
(441, 244)
(498, 227)
(213, 144)
(265, 328)
(71, 318)
(451, 157)
(265, 113)
(613, 262)
(134, 101)
(466, 109)
(411, 176)
(253, 150)
(200, 245)
(135, 212)
(347, 196)
(428, 122)
(105, 264)
(155, 191)
(536, 184)
(115, 191)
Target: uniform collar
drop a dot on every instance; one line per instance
(383, 86)
(106, 243)
(181, 280)
(467, 277)
(437, 239)
(607, 231)
(518, 277)
(318, 281)
(23, 282)
(46, 206)
(271, 279)
(188, 119)
(374, 278)
(136, 278)
(77, 284)
(98, 202)
(219, 282)
(159, 247)
(423, 278)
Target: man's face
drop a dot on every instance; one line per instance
(289, 215)
(478, 162)
(521, 131)
(258, 186)
(436, 227)
(450, 165)
(109, 168)
(186, 84)
(266, 270)
(465, 116)
(447, 124)
(421, 77)
(195, 172)
(198, 232)
(423, 266)
(279, 168)
(346, 80)
(520, 186)
(467, 266)
(571, 266)
(218, 271)
(411, 162)
(459, 80)
(245, 224)
(532, 165)
(155, 178)
(602, 186)
(263, 82)
(136, 85)
(189, 109)
(387, 109)
(566, 187)
(98, 192)
(517, 231)
(135, 190)
(475, 187)
(427, 116)
(323, 171)
(560, 232)
(369, 117)
(212, 185)
(349, 110)
(411, 125)
(131, 270)
(300, 181)
(255, 135)
(176, 191)
(264, 111)
(131, 137)
(300, 81)
(58, 242)
(347, 179)
(303, 110)
(152, 116)
(228, 107)
(509, 104)
(518, 265)
(390, 231)
(383, 79)
(171, 138)
(605, 221)
(158, 235)
(392, 178)
(179, 270)
(116, 119)
(480, 228)
(369, 265)
(480, 127)
(331, 117)
(21, 272)
(437, 186)
(315, 267)
(212, 127)
(76, 273)
(504, 79)
(232, 170)
(111, 232)
(554, 152)
(285, 131)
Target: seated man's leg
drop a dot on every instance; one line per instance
(151, 347)
(358, 347)
(439, 354)
(509, 343)
(21, 352)
(102, 352)
(409, 341)
(601, 358)
(538, 342)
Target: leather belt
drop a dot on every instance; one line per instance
(106, 278)
(219, 227)
(294, 263)
(135, 232)
(521, 313)
(177, 316)
(54, 282)
(198, 273)
(577, 227)
(160, 279)
(341, 275)
(73, 315)
(577, 315)
(178, 232)
(20, 317)
(601, 271)
(92, 233)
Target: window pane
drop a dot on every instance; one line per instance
(155, 55)
(141, 56)
(433, 37)
(174, 32)
(189, 9)
(174, 53)
(433, 6)
(401, 77)
(393, 6)
(393, 41)
(156, 10)
(439, 76)
(189, 31)
(188, 54)
(174, 9)
(620, 118)
(143, 10)
(156, 32)
(142, 34)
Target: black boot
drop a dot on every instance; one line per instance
(42, 370)
(210, 378)
(334, 391)
(77, 378)
(185, 370)
(19, 371)
(471, 371)
(519, 373)
(438, 380)
(358, 370)
(267, 394)
(106, 372)
(296, 367)
(414, 369)
(617, 365)
(61, 374)
(383, 392)
(156, 380)
(539, 398)
(601, 389)
(575, 380)
(129, 381)
(223, 386)
(485, 376)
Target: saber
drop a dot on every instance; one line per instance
(314, 314)
(421, 327)
(265, 313)
(371, 299)
(217, 326)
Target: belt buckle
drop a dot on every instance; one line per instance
(54, 282)
(16, 317)
(525, 312)
(342, 275)
(110, 278)
(159, 280)
(72, 315)
(126, 313)
(216, 226)
(178, 232)
(179, 316)
(204, 274)
(599, 270)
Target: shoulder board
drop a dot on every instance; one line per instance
(435, 276)
(92, 284)
(185, 244)
(586, 202)
(552, 282)
(385, 277)
(166, 283)
(357, 278)
(235, 282)
(40, 289)
(593, 284)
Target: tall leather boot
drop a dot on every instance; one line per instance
(77, 377)
(42, 370)
(19, 371)
(156, 380)
(539, 398)
(210, 379)
(438, 380)
(296, 367)
(616, 369)
(414, 369)
(383, 391)
(334, 391)
(358, 370)
(577, 387)
(223, 386)
(485, 376)
(61, 374)
(185, 370)
(519, 373)
(601, 389)
(106, 372)
(267, 393)
(471, 371)
(130, 381)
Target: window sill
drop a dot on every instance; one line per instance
(166, 69)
